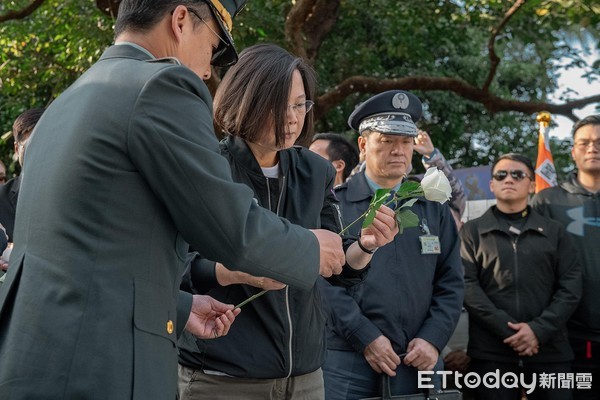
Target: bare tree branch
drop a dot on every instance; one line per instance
(307, 25)
(319, 24)
(493, 103)
(23, 13)
(494, 60)
(293, 26)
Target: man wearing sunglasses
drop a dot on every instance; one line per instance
(522, 283)
(123, 174)
(576, 205)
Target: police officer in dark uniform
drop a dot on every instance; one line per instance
(400, 317)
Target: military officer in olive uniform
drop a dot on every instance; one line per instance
(122, 172)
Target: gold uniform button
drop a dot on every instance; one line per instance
(169, 327)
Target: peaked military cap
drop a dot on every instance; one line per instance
(394, 112)
(224, 11)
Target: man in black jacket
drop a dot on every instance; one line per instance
(576, 205)
(522, 283)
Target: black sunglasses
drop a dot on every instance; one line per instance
(516, 174)
(223, 46)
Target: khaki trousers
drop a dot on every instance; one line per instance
(196, 385)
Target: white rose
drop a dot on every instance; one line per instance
(436, 186)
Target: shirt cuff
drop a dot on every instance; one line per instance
(204, 276)
(431, 156)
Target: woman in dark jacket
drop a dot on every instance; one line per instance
(278, 341)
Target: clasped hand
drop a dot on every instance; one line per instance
(383, 359)
(524, 342)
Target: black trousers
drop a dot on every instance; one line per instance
(587, 361)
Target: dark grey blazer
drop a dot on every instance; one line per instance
(121, 173)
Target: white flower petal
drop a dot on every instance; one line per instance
(436, 186)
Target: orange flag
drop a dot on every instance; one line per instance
(545, 173)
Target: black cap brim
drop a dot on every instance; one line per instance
(225, 55)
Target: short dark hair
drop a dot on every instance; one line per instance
(259, 86)
(25, 122)
(589, 120)
(516, 157)
(339, 148)
(141, 15)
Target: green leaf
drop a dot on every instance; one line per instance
(409, 189)
(409, 203)
(381, 195)
(406, 219)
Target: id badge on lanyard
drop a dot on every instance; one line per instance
(430, 244)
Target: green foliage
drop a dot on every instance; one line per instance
(445, 38)
(44, 53)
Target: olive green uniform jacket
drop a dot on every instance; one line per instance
(121, 173)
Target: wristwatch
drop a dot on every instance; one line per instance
(431, 155)
(363, 248)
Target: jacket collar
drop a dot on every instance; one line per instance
(572, 185)
(239, 150)
(489, 222)
(125, 51)
(358, 189)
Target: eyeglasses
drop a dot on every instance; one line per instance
(516, 174)
(584, 144)
(301, 108)
(225, 45)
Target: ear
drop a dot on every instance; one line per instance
(362, 142)
(532, 185)
(573, 153)
(339, 165)
(178, 20)
(492, 186)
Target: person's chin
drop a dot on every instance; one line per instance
(591, 167)
(395, 176)
(290, 140)
(398, 167)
